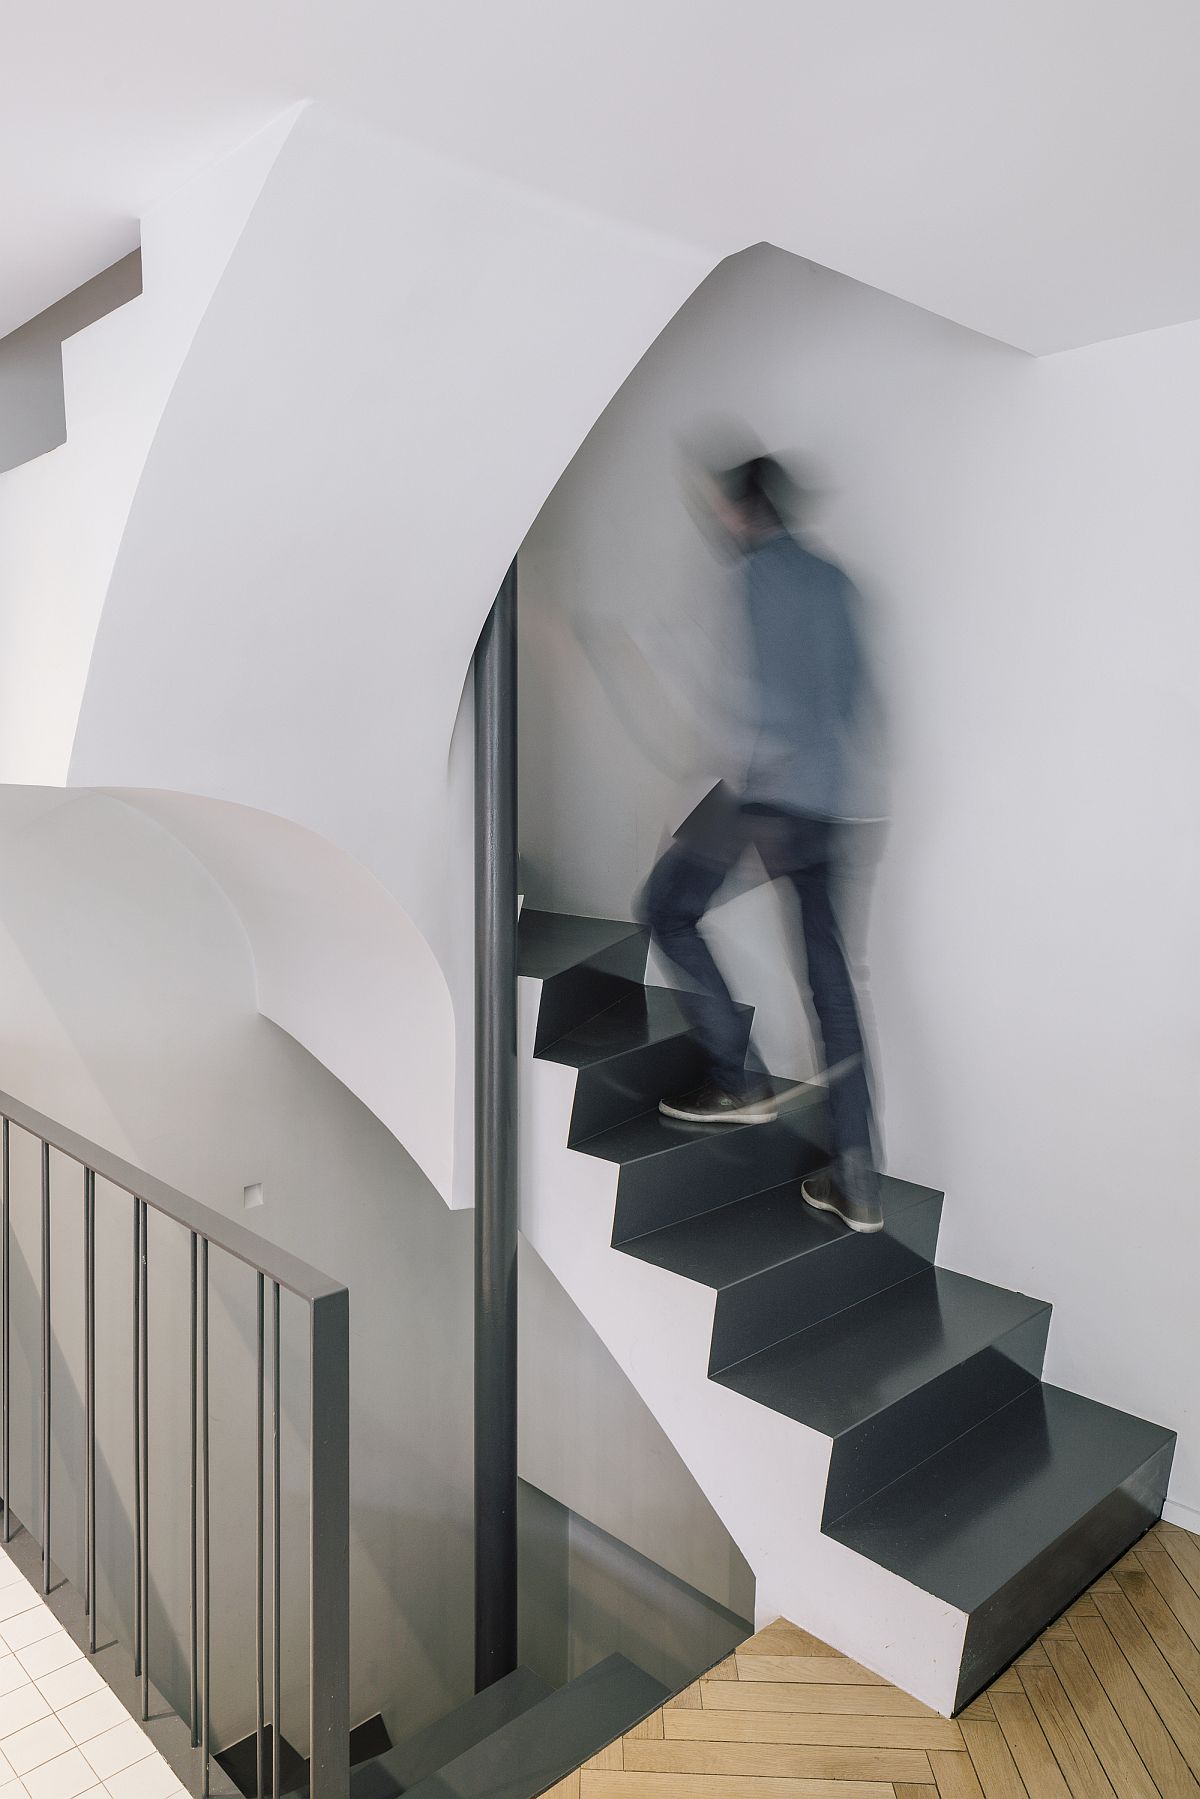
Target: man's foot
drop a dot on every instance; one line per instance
(856, 1202)
(714, 1104)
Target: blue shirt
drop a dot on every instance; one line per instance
(810, 686)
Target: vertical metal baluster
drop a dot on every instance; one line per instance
(143, 1275)
(5, 1435)
(194, 1664)
(89, 1402)
(206, 1535)
(328, 1545)
(260, 1607)
(45, 1367)
(276, 1557)
(137, 1438)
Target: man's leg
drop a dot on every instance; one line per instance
(836, 1008)
(803, 849)
(678, 893)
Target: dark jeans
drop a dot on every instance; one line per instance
(681, 889)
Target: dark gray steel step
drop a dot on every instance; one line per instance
(671, 1171)
(898, 1376)
(629, 1057)
(584, 964)
(779, 1266)
(1012, 1520)
(543, 1745)
(462, 1729)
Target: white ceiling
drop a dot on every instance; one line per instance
(1027, 167)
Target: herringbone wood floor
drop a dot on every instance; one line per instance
(1103, 1706)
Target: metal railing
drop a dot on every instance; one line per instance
(327, 1303)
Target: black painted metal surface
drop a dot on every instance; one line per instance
(496, 1140)
(952, 1464)
(450, 1737)
(542, 1745)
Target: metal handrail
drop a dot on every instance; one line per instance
(327, 1301)
(276, 1264)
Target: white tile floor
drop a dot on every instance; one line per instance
(63, 1733)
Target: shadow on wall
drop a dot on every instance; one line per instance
(33, 413)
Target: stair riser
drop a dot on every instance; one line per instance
(875, 1453)
(624, 1086)
(774, 1304)
(713, 1165)
(1020, 1611)
(571, 998)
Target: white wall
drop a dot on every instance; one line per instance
(62, 517)
(1022, 530)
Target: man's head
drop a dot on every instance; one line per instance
(753, 500)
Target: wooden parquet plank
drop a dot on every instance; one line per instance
(789, 1696)
(609, 1759)
(904, 1790)
(1184, 1551)
(726, 1670)
(650, 1727)
(1176, 1590)
(980, 1709)
(566, 1789)
(992, 1760)
(831, 1670)
(1167, 1696)
(688, 1700)
(782, 1638)
(845, 1730)
(955, 1776)
(727, 1786)
(1121, 1761)
(777, 1760)
(1028, 1746)
(1065, 1734)
(1164, 1627)
(1148, 1733)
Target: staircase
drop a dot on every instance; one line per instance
(515, 1739)
(902, 1480)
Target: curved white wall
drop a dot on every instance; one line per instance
(397, 363)
(338, 965)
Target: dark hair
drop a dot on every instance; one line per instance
(762, 487)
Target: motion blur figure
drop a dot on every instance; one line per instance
(807, 778)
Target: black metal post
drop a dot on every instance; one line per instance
(496, 1140)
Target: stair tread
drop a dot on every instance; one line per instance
(537, 1749)
(550, 943)
(846, 1369)
(972, 1517)
(651, 1015)
(449, 1737)
(748, 1236)
(651, 1134)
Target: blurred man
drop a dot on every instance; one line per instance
(803, 782)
